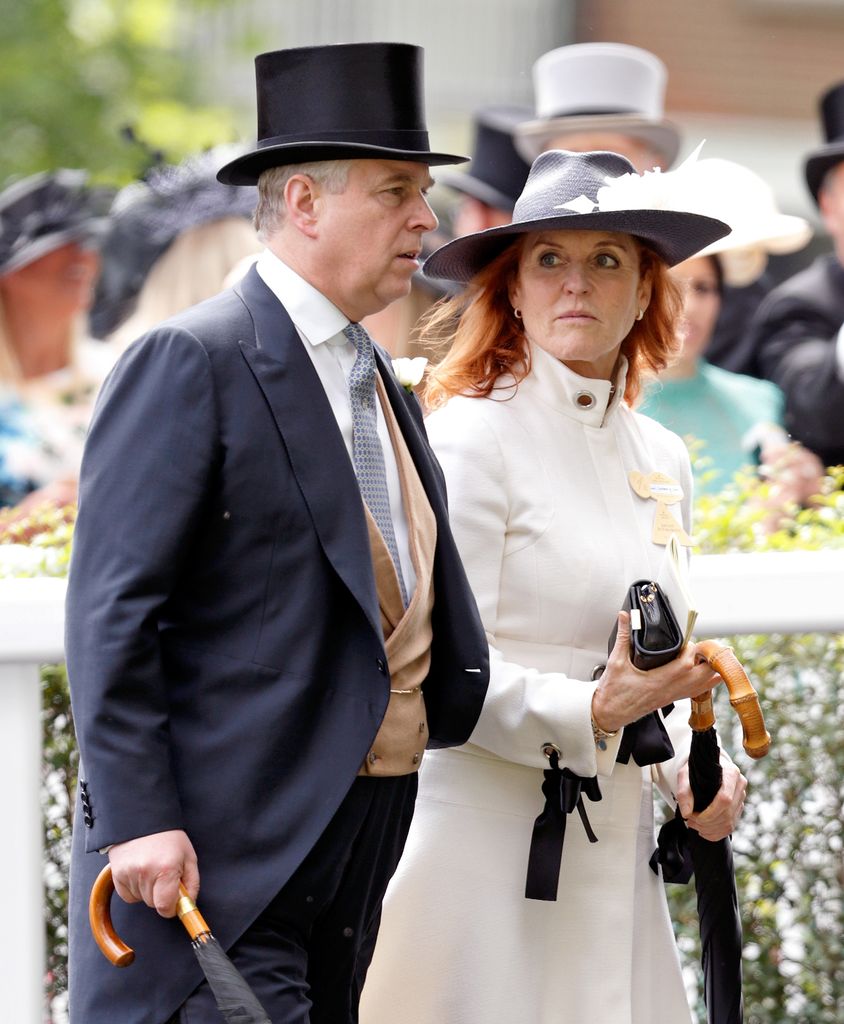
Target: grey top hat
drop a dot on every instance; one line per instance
(599, 87)
(574, 191)
(497, 173)
(46, 211)
(820, 160)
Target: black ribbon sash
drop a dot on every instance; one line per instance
(647, 742)
(563, 792)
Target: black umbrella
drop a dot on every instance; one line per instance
(235, 999)
(712, 863)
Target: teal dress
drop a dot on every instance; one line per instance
(728, 412)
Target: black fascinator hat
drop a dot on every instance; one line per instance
(46, 211)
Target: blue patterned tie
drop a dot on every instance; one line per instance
(367, 454)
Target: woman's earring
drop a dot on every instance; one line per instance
(517, 313)
(641, 314)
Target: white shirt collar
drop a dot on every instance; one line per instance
(315, 317)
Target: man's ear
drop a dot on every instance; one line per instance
(301, 197)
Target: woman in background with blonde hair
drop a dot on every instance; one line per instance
(175, 238)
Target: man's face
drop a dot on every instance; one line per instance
(638, 152)
(831, 203)
(369, 237)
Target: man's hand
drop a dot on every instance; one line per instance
(149, 869)
(720, 818)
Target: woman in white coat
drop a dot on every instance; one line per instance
(566, 309)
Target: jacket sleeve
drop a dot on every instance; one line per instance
(796, 344)
(146, 468)
(524, 708)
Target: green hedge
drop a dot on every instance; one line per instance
(789, 849)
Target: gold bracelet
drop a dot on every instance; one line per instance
(601, 735)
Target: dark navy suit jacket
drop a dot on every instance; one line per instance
(224, 648)
(794, 336)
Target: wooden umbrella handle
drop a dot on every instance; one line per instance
(743, 697)
(111, 945)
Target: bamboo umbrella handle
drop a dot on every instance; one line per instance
(743, 697)
(112, 946)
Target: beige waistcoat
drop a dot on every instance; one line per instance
(400, 743)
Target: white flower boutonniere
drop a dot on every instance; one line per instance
(410, 371)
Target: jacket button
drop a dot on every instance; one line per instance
(597, 672)
(382, 665)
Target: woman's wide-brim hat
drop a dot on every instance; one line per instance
(823, 159)
(599, 87)
(743, 199)
(45, 211)
(584, 191)
(497, 173)
(338, 102)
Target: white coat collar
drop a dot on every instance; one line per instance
(582, 398)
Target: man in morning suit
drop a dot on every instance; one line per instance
(797, 334)
(267, 618)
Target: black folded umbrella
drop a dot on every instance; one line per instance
(235, 999)
(715, 881)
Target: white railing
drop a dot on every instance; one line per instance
(798, 592)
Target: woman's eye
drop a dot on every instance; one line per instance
(548, 259)
(606, 259)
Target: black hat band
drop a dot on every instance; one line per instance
(388, 139)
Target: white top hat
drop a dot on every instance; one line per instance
(738, 196)
(589, 87)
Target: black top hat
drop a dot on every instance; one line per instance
(338, 102)
(562, 192)
(497, 173)
(819, 161)
(147, 216)
(46, 211)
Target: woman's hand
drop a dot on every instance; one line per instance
(721, 817)
(625, 693)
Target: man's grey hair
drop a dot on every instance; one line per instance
(270, 212)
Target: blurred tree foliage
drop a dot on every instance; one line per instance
(103, 85)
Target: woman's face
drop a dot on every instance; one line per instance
(579, 293)
(62, 281)
(698, 281)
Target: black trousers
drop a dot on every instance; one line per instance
(307, 954)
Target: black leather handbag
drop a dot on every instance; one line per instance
(655, 637)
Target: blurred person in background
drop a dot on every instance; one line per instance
(50, 368)
(175, 238)
(489, 187)
(739, 418)
(593, 96)
(797, 334)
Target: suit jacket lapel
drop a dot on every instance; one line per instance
(414, 434)
(314, 445)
